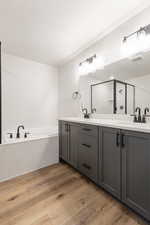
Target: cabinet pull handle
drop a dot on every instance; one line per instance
(86, 166)
(117, 139)
(86, 129)
(122, 140)
(67, 127)
(88, 146)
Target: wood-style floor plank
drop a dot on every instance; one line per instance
(59, 195)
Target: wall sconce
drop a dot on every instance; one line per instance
(136, 42)
(91, 65)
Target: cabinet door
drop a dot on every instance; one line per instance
(136, 172)
(110, 160)
(64, 140)
(73, 144)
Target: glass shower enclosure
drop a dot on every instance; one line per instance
(113, 97)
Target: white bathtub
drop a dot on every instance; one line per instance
(20, 156)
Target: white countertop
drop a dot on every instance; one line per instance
(120, 124)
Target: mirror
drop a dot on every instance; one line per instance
(121, 94)
(113, 96)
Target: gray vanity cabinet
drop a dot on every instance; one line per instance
(63, 140)
(68, 141)
(117, 160)
(78, 146)
(88, 157)
(73, 144)
(88, 151)
(110, 160)
(136, 171)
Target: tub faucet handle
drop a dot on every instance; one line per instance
(10, 135)
(26, 134)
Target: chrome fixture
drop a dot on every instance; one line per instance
(85, 113)
(136, 43)
(26, 134)
(93, 110)
(145, 115)
(10, 135)
(145, 29)
(88, 60)
(18, 130)
(138, 118)
(90, 65)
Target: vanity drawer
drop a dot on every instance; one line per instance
(88, 156)
(89, 130)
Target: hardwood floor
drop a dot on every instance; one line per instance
(58, 195)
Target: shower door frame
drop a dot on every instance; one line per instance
(115, 81)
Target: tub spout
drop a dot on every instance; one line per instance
(18, 130)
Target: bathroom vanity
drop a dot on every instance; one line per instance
(113, 154)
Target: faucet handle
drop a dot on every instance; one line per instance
(84, 109)
(26, 134)
(10, 135)
(146, 110)
(93, 110)
(85, 113)
(145, 115)
(135, 117)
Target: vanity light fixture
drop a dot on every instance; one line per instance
(136, 42)
(91, 65)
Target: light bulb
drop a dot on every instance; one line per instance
(91, 68)
(130, 46)
(87, 67)
(145, 42)
(83, 69)
(136, 44)
(98, 63)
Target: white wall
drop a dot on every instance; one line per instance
(30, 97)
(30, 93)
(109, 47)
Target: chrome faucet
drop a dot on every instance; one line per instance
(18, 130)
(139, 118)
(85, 113)
(145, 115)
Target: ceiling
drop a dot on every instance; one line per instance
(52, 31)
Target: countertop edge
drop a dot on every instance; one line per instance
(110, 125)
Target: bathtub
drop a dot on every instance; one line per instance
(24, 155)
